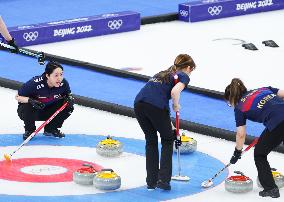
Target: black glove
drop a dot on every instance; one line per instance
(36, 104)
(236, 156)
(177, 141)
(41, 58)
(69, 99)
(12, 43)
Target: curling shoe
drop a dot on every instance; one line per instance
(27, 134)
(54, 132)
(164, 185)
(274, 193)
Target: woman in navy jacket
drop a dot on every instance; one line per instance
(41, 96)
(263, 105)
(152, 111)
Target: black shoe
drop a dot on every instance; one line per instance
(27, 134)
(164, 185)
(55, 133)
(274, 193)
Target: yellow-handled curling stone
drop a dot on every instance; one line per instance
(107, 179)
(188, 145)
(109, 147)
(278, 178)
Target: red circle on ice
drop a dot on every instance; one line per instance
(42, 169)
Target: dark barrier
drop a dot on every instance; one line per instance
(159, 18)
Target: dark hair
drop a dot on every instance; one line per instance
(234, 91)
(51, 66)
(182, 61)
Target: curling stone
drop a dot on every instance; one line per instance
(278, 178)
(188, 144)
(84, 175)
(239, 183)
(109, 147)
(107, 179)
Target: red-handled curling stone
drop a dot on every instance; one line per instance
(84, 175)
(238, 183)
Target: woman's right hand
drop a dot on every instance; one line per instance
(176, 107)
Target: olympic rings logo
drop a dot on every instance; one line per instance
(30, 36)
(114, 24)
(183, 13)
(215, 10)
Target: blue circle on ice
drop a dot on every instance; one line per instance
(198, 166)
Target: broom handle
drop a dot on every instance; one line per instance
(177, 131)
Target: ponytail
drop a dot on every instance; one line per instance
(234, 91)
(182, 61)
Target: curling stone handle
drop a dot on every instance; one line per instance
(107, 169)
(239, 172)
(87, 165)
